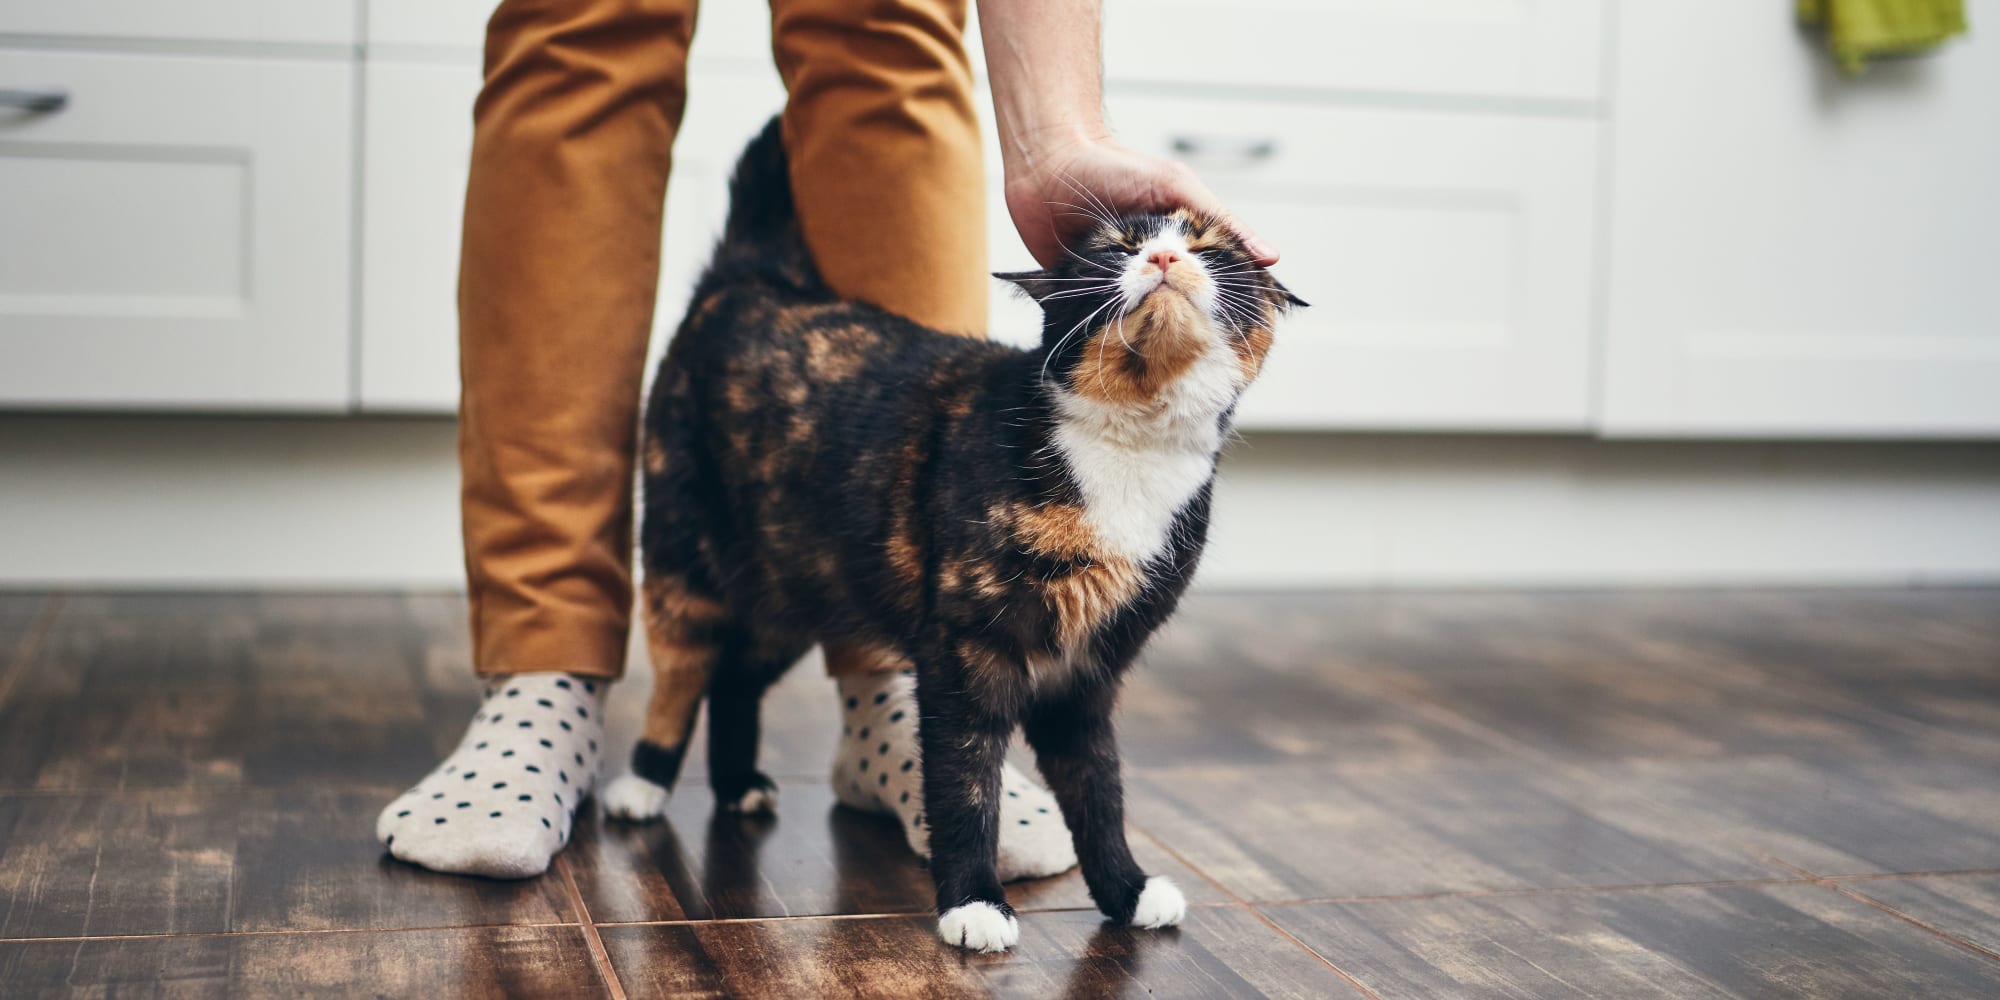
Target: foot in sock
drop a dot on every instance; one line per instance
(876, 769)
(503, 803)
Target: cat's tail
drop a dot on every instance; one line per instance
(762, 234)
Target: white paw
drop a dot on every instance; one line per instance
(1160, 905)
(630, 797)
(756, 802)
(979, 926)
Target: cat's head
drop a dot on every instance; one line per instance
(1141, 303)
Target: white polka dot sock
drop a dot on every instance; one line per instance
(502, 804)
(877, 769)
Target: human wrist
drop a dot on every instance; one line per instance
(1031, 151)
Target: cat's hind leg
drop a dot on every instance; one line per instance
(735, 703)
(685, 632)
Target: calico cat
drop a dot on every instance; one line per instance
(1014, 524)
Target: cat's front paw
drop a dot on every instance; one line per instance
(1160, 905)
(632, 798)
(979, 926)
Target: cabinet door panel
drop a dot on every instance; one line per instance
(178, 235)
(1447, 257)
(1549, 50)
(331, 21)
(727, 32)
(419, 134)
(417, 139)
(1793, 253)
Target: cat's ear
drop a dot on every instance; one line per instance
(1037, 284)
(1285, 297)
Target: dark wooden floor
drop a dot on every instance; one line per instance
(1643, 795)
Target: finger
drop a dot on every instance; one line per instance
(1191, 192)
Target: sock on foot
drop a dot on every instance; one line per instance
(503, 803)
(876, 769)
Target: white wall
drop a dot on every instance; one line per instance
(303, 503)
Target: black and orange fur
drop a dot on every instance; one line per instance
(819, 470)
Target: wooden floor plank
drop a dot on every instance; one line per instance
(176, 764)
(165, 691)
(814, 858)
(468, 962)
(1220, 952)
(1726, 942)
(19, 610)
(1318, 831)
(1966, 907)
(1857, 815)
(1655, 676)
(176, 861)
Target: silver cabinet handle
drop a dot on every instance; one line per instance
(40, 101)
(1242, 152)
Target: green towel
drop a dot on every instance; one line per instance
(1860, 30)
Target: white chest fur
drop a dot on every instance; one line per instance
(1138, 467)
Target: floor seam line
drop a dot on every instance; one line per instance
(1532, 891)
(1938, 873)
(1266, 920)
(1261, 917)
(1842, 890)
(599, 955)
(1913, 921)
(802, 917)
(1184, 861)
(283, 932)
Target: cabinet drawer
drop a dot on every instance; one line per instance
(178, 235)
(1447, 257)
(1550, 49)
(187, 20)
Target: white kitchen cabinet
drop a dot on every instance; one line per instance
(236, 21)
(1447, 257)
(416, 139)
(726, 30)
(1549, 50)
(726, 109)
(177, 236)
(455, 24)
(1793, 253)
(418, 136)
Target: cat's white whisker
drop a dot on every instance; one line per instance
(1087, 195)
(1087, 213)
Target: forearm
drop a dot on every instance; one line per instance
(1044, 59)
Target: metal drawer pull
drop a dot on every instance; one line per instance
(39, 101)
(1240, 151)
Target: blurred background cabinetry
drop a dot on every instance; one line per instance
(1537, 237)
(1570, 216)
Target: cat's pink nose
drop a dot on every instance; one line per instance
(1163, 258)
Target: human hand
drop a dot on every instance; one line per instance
(1054, 198)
